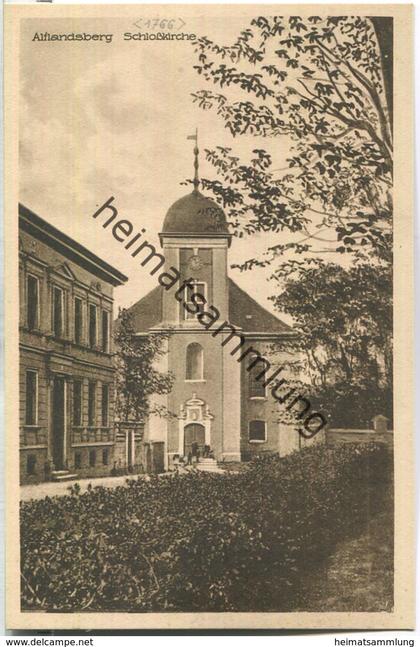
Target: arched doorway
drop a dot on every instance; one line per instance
(194, 433)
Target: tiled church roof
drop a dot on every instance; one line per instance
(247, 314)
(147, 312)
(244, 312)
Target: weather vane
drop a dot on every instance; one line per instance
(196, 181)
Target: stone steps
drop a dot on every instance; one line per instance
(208, 465)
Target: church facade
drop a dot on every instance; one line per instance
(221, 398)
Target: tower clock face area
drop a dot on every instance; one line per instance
(195, 263)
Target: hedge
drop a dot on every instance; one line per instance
(201, 541)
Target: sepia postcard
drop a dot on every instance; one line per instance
(208, 317)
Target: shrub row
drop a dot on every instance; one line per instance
(200, 541)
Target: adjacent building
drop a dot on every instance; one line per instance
(66, 368)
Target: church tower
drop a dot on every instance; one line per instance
(206, 394)
(195, 240)
(217, 403)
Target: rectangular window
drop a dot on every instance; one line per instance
(58, 311)
(91, 404)
(105, 404)
(31, 412)
(257, 431)
(77, 460)
(92, 326)
(32, 301)
(92, 458)
(31, 465)
(77, 403)
(193, 300)
(105, 457)
(105, 331)
(256, 379)
(78, 320)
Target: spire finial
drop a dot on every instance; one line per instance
(196, 180)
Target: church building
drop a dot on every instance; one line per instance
(216, 401)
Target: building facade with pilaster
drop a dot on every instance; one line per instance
(65, 346)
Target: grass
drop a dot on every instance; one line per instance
(358, 576)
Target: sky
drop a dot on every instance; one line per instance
(100, 120)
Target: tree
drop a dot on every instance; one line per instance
(344, 324)
(323, 89)
(137, 378)
(323, 85)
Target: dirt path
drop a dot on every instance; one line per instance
(358, 576)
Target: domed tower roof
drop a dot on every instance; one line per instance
(195, 214)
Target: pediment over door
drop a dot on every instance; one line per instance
(195, 410)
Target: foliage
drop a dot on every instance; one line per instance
(137, 377)
(343, 320)
(322, 87)
(232, 542)
(320, 84)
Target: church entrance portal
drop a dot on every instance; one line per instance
(194, 433)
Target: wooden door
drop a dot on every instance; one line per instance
(194, 433)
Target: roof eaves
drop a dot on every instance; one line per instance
(46, 230)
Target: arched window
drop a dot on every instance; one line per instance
(194, 370)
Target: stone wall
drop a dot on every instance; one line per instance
(334, 436)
